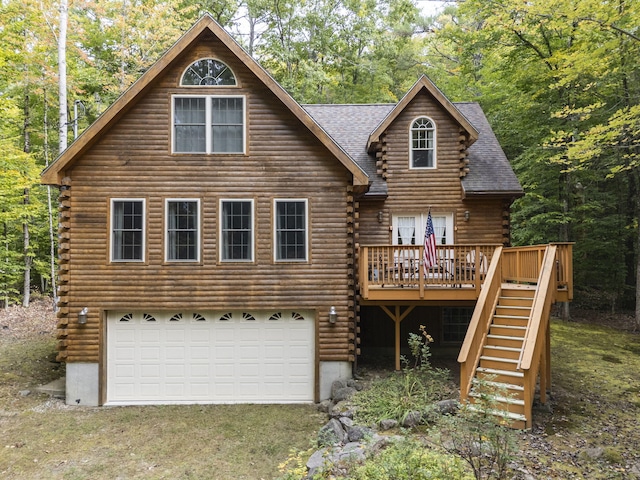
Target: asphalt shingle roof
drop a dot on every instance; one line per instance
(350, 126)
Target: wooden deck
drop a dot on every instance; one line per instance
(390, 273)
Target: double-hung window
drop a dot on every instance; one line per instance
(423, 143)
(183, 225)
(290, 230)
(210, 124)
(127, 230)
(236, 230)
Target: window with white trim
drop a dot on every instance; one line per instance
(290, 230)
(236, 230)
(127, 229)
(183, 230)
(423, 143)
(213, 124)
(409, 229)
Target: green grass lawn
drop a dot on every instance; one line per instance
(43, 439)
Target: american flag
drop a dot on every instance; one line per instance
(430, 258)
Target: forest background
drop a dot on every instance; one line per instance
(559, 81)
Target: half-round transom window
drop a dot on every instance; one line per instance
(423, 146)
(208, 71)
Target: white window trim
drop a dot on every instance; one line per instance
(208, 86)
(421, 221)
(166, 230)
(253, 230)
(306, 231)
(207, 128)
(435, 144)
(144, 230)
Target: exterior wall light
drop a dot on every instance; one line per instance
(333, 315)
(380, 216)
(466, 215)
(82, 316)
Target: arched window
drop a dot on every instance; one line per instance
(423, 143)
(208, 72)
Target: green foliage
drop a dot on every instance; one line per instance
(414, 389)
(478, 436)
(409, 459)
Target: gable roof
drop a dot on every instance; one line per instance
(422, 83)
(489, 170)
(53, 174)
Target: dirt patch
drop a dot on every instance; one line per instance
(18, 322)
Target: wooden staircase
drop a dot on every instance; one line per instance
(498, 372)
(506, 351)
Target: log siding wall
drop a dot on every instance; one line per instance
(415, 190)
(133, 160)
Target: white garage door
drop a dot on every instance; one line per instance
(209, 357)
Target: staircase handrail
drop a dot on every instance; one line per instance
(540, 309)
(480, 322)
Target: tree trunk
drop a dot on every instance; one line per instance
(26, 298)
(62, 75)
(638, 262)
(52, 239)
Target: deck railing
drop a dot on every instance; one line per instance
(523, 264)
(456, 266)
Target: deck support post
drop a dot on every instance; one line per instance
(397, 316)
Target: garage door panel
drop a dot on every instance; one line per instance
(245, 358)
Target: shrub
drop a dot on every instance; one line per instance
(477, 436)
(410, 460)
(416, 388)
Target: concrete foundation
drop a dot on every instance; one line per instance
(329, 373)
(82, 387)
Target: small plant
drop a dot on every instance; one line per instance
(479, 436)
(409, 459)
(416, 388)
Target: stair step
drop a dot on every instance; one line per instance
(510, 317)
(497, 372)
(507, 330)
(501, 399)
(505, 340)
(500, 385)
(499, 363)
(501, 352)
(506, 349)
(513, 320)
(511, 416)
(499, 359)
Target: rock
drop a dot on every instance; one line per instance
(337, 385)
(447, 407)
(24, 393)
(332, 433)
(346, 422)
(316, 461)
(342, 409)
(594, 453)
(352, 451)
(324, 406)
(357, 433)
(412, 419)
(388, 424)
(353, 384)
(343, 394)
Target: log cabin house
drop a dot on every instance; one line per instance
(221, 243)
